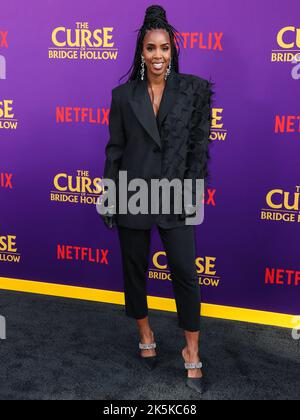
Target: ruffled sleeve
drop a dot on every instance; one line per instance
(199, 139)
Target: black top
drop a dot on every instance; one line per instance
(157, 121)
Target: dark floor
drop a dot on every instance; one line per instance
(70, 349)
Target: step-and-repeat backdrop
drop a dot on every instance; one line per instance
(58, 64)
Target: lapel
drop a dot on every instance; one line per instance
(142, 106)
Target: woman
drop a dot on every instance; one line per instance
(159, 128)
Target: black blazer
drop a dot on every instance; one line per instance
(173, 145)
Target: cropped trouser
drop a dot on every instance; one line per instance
(179, 244)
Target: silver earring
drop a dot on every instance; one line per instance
(168, 70)
(142, 68)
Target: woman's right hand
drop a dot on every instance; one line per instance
(109, 220)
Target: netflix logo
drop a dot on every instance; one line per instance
(282, 277)
(6, 180)
(209, 198)
(210, 41)
(3, 39)
(83, 254)
(287, 124)
(79, 115)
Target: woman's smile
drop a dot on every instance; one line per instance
(158, 66)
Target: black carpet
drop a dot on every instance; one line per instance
(65, 349)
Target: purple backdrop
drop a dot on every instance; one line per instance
(53, 119)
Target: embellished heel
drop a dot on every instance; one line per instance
(197, 384)
(149, 362)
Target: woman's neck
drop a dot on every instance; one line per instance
(154, 81)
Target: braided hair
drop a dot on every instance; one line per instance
(155, 18)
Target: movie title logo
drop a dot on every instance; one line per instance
(76, 189)
(218, 131)
(7, 116)
(8, 249)
(288, 49)
(82, 43)
(205, 267)
(282, 206)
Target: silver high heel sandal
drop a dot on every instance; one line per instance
(151, 361)
(196, 384)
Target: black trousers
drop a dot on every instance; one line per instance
(179, 244)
